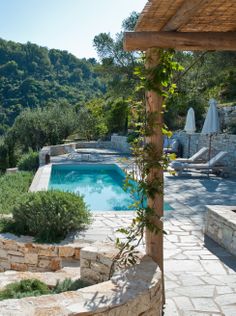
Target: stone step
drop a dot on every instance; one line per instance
(50, 278)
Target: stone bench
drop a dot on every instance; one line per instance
(221, 226)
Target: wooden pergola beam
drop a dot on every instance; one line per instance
(221, 41)
(187, 10)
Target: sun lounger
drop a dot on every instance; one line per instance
(212, 166)
(198, 155)
(74, 155)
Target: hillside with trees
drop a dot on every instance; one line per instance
(47, 96)
(32, 76)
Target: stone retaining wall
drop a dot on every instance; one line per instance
(95, 262)
(220, 225)
(61, 149)
(136, 291)
(19, 255)
(118, 143)
(221, 142)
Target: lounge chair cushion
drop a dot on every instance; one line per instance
(177, 165)
(172, 146)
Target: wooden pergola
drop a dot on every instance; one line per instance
(183, 25)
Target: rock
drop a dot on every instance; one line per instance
(66, 251)
(43, 263)
(77, 253)
(55, 264)
(31, 258)
(19, 266)
(3, 253)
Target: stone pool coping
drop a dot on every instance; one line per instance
(42, 177)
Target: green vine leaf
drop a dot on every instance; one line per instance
(147, 158)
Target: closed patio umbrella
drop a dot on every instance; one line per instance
(190, 126)
(211, 125)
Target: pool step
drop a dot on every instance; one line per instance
(50, 278)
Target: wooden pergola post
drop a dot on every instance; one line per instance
(184, 25)
(154, 242)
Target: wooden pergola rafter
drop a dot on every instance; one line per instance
(185, 25)
(182, 25)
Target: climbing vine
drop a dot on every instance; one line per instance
(146, 156)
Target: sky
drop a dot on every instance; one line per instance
(64, 24)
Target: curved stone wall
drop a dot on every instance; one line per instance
(135, 291)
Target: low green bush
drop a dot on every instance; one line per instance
(34, 287)
(12, 187)
(49, 215)
(29, 161)
(24, 288)
(69, 285)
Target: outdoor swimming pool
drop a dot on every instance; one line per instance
(101, 185)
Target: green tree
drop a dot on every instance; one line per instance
(35, 128)
(206, 75)
(92, 126)
(118, 64)
(32, 76)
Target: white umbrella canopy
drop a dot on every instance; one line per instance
(211, 124)
(190, 124)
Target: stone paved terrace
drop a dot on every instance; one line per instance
(200, 275)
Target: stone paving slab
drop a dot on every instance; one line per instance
(200, 275)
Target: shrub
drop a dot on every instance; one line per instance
(29, 161)
(24, 288)
(69, 285)
(12, 187)
(34, 287)
(50, 215)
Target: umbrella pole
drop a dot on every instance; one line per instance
(189, 139)
(209, 154)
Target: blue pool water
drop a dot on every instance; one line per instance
(100, 185)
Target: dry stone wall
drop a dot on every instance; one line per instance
(95, 262)
(136, 291)
(20, 255)
(117, 142)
